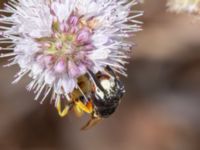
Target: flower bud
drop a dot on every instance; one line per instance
(60, 67)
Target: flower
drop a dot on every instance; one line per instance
(191, 6)
(56, 41)
(140, 1)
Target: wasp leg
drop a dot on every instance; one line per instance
(78, 111)
(108, 68)
(88, 108)
(94, 120)
(64, 112)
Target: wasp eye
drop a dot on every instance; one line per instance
(81, 98)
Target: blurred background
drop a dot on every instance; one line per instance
(160, 110)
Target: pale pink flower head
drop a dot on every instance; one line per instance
(57, 41)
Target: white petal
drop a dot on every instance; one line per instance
(49, 78)
(68, 85)
(36, 69)
(99, 39)
(99, 54)
(61, 9)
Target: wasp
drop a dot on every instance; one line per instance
(97, 94)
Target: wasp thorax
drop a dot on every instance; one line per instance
(108, 84)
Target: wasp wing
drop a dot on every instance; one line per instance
(91, 123)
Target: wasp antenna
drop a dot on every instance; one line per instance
(82, 93)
